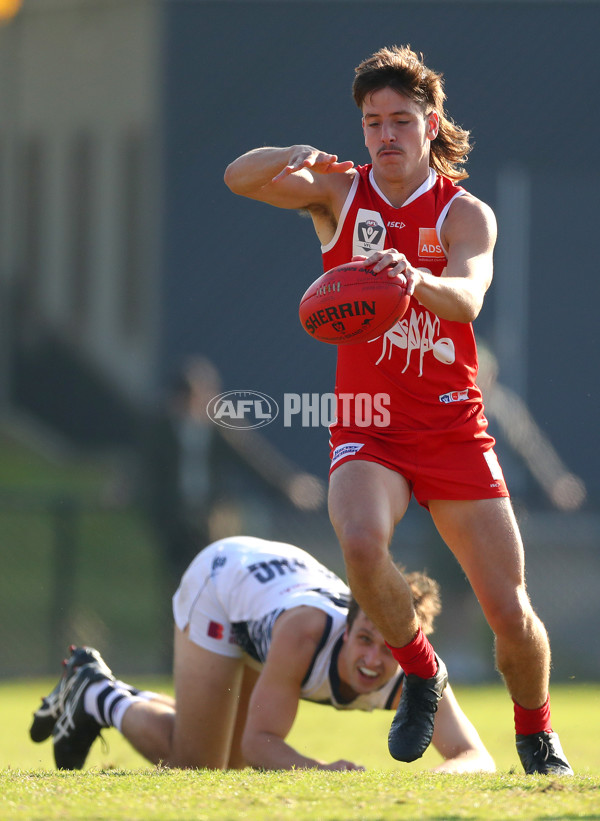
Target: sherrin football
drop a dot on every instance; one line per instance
(350, 304)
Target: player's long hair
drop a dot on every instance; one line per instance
(404, 71)
(426, 597)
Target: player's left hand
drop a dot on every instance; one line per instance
(397, 266)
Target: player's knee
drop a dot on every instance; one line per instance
(511, 617)
(362, 544)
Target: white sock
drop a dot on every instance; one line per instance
(107, 701)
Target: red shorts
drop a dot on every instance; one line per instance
(450, 464)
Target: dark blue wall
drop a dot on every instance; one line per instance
(522, 76)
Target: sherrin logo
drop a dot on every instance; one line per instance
(429, 244)
(242, 409)
(335, 314)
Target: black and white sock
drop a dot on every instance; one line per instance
(108, 701)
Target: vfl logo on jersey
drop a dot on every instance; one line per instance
(369, 232)
(454, 396)
(429, 244)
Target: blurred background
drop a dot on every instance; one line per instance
(134, 287)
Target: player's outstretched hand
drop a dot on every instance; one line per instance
(305, 156)
(342, 766)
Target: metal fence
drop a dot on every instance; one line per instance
(94, 574)
(77, 574)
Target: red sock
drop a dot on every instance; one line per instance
(417, 657)
(533, 721)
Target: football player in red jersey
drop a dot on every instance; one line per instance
(405, 214)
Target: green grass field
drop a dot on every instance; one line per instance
(118, 784)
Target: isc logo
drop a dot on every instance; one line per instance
(242, 409)
(429, 244)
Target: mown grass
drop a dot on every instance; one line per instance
(295, 796)
(119, 784)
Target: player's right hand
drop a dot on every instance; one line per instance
(305, 156)
(342, 766)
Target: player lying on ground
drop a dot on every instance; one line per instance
(258, 626)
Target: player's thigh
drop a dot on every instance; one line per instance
(236, 759)
(206, 694)
(484, 536)
(366, 499)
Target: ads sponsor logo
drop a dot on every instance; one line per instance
(429, 244)
(242, 409)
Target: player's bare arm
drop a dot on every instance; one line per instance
(276, 695)
(297, 177)
(457, 740)
(292, 177)
(469, 235)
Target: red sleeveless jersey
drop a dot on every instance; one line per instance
(426, 365)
